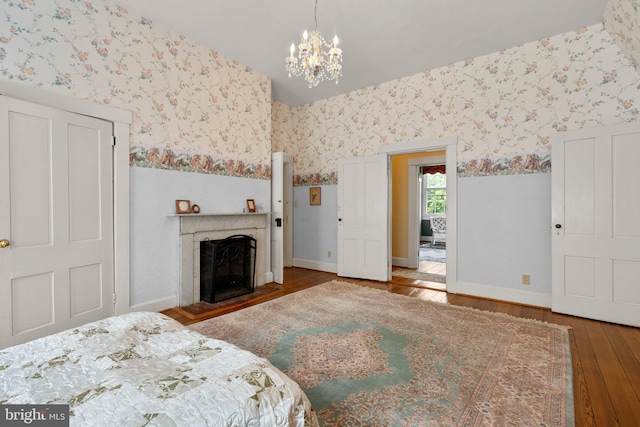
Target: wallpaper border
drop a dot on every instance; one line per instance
(157, 158)
(517, 164)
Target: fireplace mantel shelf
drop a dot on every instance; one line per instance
(219, 214)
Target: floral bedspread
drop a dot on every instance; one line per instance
(146, 369)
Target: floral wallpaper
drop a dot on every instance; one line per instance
(503, 107)
(622, 21)
(194, 109)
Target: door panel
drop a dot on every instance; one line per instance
(626, 176)
(56, 211)
(363, 218)
(625, 278)
(85, 284)
(84, 184)
(580, 273)
(596, 236)
(37, 312)
(30, 185)
(580, 188)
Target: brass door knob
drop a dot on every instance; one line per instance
(4, 243)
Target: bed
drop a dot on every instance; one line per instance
(147, 369)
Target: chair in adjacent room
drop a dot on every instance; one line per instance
(438, 229)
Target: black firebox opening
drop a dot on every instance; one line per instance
(227, 268)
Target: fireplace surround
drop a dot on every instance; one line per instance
(196, 228)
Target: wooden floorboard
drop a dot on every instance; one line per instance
(605, 357)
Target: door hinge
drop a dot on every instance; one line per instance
(114, 298)
(113, 141)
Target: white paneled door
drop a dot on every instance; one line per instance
(56, 220)
(363, 218)
(596, 224)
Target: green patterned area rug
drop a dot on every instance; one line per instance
(369, 357)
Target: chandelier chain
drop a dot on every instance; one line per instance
(315, 14)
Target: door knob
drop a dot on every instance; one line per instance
(4, 243)
(558, 226)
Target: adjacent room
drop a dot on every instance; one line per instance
(319, 212)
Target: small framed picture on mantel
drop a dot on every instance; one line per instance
(251, 205)
(183, 207)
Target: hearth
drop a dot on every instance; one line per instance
(227, 267)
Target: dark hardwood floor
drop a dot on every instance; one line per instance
(605, 356)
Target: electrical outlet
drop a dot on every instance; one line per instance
(526, 279)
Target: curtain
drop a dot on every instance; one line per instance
(434, 169)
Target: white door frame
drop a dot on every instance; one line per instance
(121, 120)
(449, 144)
(414, 218)
(287, 256)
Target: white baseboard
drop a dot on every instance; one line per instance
(315, 265)
(156, 305)
(504, 294)
(400, 262)
(268, 277)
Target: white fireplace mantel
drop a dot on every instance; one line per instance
(195, 228)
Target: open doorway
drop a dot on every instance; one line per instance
(418, 207)
(448, 145)
(432, 216)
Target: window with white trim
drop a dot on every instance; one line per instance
(433, 194)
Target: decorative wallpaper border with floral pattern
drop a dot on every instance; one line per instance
(194, 109)
(186, 162)
(503, 107)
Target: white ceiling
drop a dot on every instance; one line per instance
(382, 40)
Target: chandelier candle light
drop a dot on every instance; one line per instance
(313, 61)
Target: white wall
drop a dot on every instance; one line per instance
(504, 231)
(154, 234)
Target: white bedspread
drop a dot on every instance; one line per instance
(146, 369)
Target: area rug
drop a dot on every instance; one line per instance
(427, 252)
(370, 357)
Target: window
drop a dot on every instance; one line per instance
(434, 194)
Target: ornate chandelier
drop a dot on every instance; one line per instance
(314, 61)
